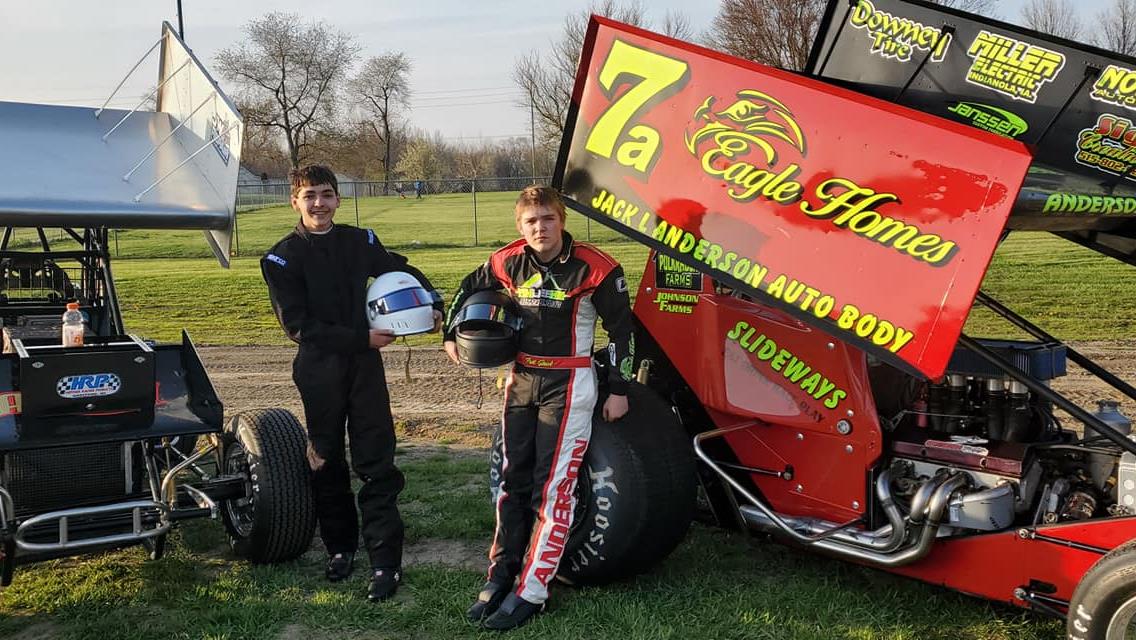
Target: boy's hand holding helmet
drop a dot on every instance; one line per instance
(398, 305)
(487, 331)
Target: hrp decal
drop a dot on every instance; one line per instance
(88, 385)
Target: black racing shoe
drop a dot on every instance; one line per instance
(384, 582)
(490, 598)
(339, 566)
(514, 612)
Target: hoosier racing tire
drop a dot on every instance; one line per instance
(275, 520)
(635, 496)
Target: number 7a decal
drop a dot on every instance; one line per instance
(653, 77)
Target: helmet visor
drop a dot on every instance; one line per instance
(401, 300)
(482, 313)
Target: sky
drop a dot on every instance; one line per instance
(462, 51)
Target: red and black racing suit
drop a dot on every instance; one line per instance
(318, 287)
(549, 397)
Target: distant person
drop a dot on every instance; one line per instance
(561, 286)
(398, 190)
(417, 189)
(317, 282)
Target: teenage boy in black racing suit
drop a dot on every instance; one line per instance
(317, 282)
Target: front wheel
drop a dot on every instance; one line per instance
(1104, 603)
(274, 520)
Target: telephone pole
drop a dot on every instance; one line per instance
(532, 131)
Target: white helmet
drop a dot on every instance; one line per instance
(397, 301)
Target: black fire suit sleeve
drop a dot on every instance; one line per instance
(480, 279)
(287, 292)
(383, 261)
(614, 307)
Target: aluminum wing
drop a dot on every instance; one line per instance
(173, 168)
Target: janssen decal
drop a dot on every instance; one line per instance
(990, 118)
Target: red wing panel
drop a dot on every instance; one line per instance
(871, 221)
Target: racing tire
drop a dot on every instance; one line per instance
(1104, 603)
(275, 520)
(635, 495)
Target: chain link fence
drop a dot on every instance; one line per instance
(451, 213)
(272, 193)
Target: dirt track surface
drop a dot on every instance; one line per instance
(440, 402)
(1085, 390)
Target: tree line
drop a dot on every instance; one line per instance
(307, 96)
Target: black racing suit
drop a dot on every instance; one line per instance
(549, 397)
(318, 285)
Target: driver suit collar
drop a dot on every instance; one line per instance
(562, 257)
(304, 233)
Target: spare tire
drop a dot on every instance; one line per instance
(275, 519)
(635, 496)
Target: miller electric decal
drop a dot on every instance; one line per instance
(871, 221)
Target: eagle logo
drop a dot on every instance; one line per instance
(754, 120)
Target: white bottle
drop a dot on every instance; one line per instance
(72, 326)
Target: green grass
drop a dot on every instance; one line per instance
(434, 221)
(1074, 293)
(718, 584)
(446, 498)
(218, 306)
(167, 279)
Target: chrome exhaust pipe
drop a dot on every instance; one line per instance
(895, 519)
(883, 540)
(878, 548)
(922, 497)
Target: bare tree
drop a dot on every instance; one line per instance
(382, 88)
(780, 33)
(1055, 17)
(1118, 27)
(286, 72)
(772, 32)
(262, 154)
(350, 148)
(547, 78)
(987, 8)
(676, 24)
(473, 161)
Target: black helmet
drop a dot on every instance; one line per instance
(487, 330)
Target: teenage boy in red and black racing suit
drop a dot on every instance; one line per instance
(560, 286)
